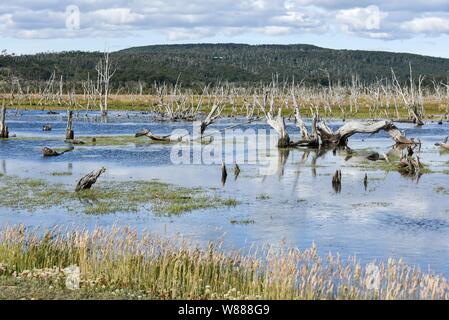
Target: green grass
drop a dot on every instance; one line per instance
(121, 263)
(108, 197)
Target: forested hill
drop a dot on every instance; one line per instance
(198, 64)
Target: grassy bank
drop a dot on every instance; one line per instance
(119, 263)
(365, 109)
(107, 197)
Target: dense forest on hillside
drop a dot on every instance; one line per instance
(243, 65)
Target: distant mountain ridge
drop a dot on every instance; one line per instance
(242, 64)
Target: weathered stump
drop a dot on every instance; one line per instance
(88, 180)
(69, 134)
(4, 133)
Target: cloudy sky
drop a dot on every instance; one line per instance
(417, 26)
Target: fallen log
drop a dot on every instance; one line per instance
(88, 180)
(443, 144)
(47, 152)
(149, 134)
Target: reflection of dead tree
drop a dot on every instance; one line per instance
(236, 171)
(443, 144)
(224, 174)
(336, 181)
(88, 180)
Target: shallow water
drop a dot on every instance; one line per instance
(395, 216)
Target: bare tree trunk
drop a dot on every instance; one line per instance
(69, 134)
(4, 134)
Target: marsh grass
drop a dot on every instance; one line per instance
(119, 262)
(108, 197)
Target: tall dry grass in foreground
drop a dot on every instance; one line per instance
(159, 268)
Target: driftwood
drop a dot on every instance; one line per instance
(321, 134)
(149, 134)
(88, 180)
(47, 152)
(443, 144)
(4, 133)
(69, 134)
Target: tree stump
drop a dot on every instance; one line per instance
(4, 133)
(88, 180)
(69, 134)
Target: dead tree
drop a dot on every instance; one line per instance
(69, 134)
(4, 133)
(409, 98)
(88, 180)
(104, 75)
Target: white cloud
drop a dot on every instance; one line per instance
(361, 19)
(429, 25)
(197, 19)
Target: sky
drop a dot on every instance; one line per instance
(30, 26)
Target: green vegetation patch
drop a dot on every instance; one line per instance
(108, 196)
